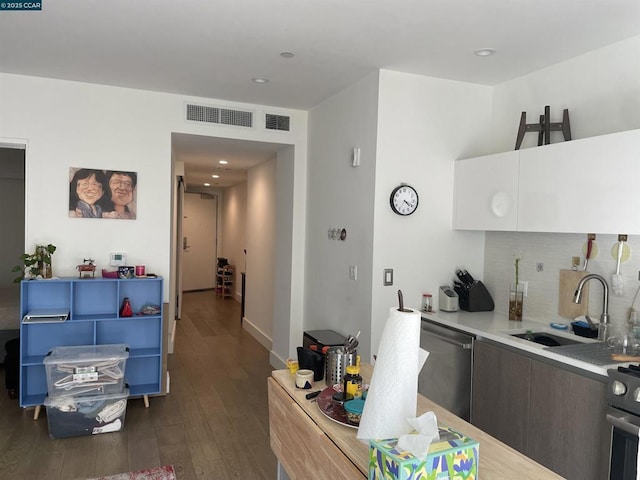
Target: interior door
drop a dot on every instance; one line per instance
(199, 241)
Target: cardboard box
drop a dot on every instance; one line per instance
(78, 416)
(453, 457)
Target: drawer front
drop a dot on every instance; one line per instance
(300, 445)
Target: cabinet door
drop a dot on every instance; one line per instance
(486, 192)
(581, 186)
(500, 394)
(568, 432)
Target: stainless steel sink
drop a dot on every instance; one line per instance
(548, 339)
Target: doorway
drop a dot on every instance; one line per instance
(12, 218)
(199, 241)
(196, 160)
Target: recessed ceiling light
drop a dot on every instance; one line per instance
(222, 162)
(215, 176)
(260, 80)
(485, 52)
(207, 184)
(287, 55)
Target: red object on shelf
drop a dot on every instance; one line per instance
(126, 310)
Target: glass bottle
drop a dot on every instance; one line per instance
(353, 382)
(427, 302)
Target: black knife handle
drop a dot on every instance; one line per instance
(311, 395)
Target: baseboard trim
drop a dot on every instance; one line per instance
(276, 362)
(258, 334)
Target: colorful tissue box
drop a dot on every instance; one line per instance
(453, 457)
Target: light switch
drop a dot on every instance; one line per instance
(353, 272)
(388, 277)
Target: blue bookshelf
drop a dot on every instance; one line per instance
(93, 305)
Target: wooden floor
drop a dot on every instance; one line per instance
(213, 425)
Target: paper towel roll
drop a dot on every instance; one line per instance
(393, 391)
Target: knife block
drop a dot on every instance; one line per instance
(477, 299)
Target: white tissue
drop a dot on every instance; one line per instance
(393, 390)
(417, 444)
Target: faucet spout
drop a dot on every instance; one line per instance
(577, 298)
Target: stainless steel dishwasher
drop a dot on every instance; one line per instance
(446, 376)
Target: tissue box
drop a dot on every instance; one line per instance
(453, 457)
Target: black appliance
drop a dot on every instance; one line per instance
(318, 339)
(623, 413)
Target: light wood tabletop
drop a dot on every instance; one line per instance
(497, 460)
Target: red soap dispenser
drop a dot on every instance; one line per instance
(125, 309)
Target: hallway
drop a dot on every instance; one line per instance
(213, 425)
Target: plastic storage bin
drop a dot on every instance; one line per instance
(86, 415)
(86, 370)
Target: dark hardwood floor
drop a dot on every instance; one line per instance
(213, 425)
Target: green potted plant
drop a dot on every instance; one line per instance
(36, 264)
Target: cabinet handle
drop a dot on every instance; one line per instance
(465, 346)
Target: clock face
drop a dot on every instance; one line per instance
(404, 200)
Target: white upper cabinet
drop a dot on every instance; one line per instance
(486, 192)
(590, 185)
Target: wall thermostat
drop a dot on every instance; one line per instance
(118, 259)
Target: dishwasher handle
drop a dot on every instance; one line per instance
(464, 346)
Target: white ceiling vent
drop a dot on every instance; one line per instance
(222, 116)
(277, 122)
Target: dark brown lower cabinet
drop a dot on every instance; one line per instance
(552, 415)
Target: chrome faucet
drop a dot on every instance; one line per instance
(604, 318)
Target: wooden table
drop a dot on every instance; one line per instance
(309, 445)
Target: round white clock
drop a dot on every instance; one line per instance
(404, 200)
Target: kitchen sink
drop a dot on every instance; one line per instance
(548, 339)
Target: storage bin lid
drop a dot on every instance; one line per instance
(58, 402)
(87, 353)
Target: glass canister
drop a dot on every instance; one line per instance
(427, 302)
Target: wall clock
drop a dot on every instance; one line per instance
(404, 200)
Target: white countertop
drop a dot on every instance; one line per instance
(496, 326)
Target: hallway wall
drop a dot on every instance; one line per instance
(233, 236)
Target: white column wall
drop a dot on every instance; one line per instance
(424, 125)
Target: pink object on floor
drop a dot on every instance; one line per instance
(165, 472)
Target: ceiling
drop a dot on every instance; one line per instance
(201, 156)
(213, 49)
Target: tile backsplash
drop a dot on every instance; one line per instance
(554, 251)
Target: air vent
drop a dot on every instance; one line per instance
(223, 116)
(277, 122)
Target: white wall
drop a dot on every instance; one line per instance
(233, 235)
(288, 318)
(424, 125)
(77, 124)
(600, 89)
(410, 129)
(341, 196)
(602, 92)
(261, 239)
